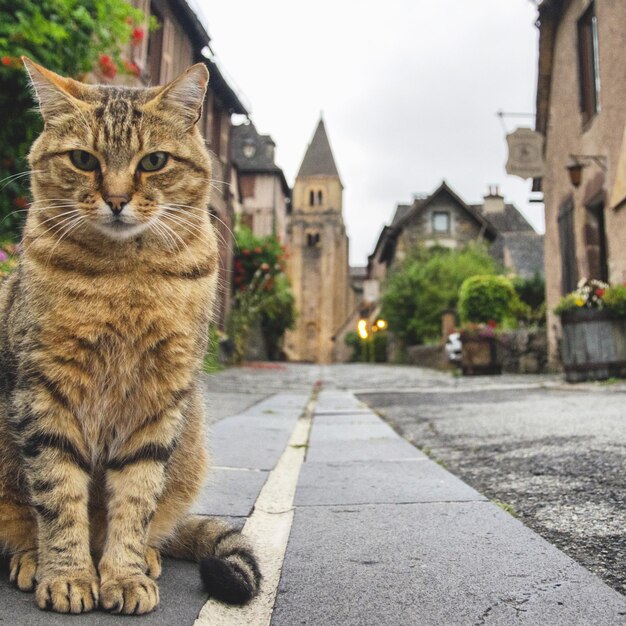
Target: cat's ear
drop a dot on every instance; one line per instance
(184, 95)
(56, 94)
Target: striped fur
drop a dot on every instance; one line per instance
(102, 335)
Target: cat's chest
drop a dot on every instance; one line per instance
(121, 354)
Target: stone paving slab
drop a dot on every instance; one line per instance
(383, 449)
(377, 482)
(432, 564)
(238, 445)
(351, 432)
(333, 419)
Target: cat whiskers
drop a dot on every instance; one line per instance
(10, 179)
(56, 225)
(77, 221)
(173, 205)
(169, 229)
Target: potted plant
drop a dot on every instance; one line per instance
(593, 340)
(484, 302)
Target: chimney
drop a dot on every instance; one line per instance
(494, 202)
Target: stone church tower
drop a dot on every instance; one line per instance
(318, 254)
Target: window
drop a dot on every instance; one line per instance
(319, 198)
(441, 222)
(569, 270)
(595, 241)
(312, 239)
(588, 64)
(311, 198)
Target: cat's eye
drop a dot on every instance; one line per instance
(153, 161)
(83, 160)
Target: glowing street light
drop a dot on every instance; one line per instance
(362, 329)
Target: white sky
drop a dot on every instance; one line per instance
(409, 91)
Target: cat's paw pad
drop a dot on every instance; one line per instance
(68, 594)
(131, 595)
(24, 570)
(153, 561)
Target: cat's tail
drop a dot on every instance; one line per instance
(228, 567)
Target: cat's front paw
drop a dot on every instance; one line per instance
(130, 595)
(65, 593)
(24, 570)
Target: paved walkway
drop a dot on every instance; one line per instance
(377, 533)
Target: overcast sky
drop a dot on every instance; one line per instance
(409, 90)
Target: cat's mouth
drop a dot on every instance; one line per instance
(120, 228)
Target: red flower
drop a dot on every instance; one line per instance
(107, 66)
(492, 323)
(132, 68)
(599, 292)
(137, 36)
(257, 250)
(6, 60)
(20, 202)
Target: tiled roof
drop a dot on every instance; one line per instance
(508, 220)
(318, 160)
(401, 211)
(260, 155)
(526, 251)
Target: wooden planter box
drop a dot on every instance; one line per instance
(593, 345)
(479, 355)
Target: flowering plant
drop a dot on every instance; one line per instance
(8, 258)
(261, 292)
(589, 294)
(595, 294)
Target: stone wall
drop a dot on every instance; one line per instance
(523, 351)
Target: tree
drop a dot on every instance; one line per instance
(70, 37)
(426, 284)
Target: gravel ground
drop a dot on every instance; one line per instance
(554, 458)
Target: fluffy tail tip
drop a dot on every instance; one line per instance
(227, 581)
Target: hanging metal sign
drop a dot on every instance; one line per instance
(525, 153)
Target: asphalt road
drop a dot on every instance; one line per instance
(555, 458)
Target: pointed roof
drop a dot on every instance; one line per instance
(318, 160)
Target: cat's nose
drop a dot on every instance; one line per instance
(116, 203)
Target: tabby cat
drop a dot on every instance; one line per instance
(102, 334)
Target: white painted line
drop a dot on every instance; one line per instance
(268, 529)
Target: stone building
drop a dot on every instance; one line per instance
(443, 218)
(318, 254)
(581, 111)
(264, 192)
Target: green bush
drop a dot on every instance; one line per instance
(615, 300)
(484, 299)
(427, 283)
(373, 349)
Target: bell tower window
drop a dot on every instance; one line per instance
(311, 198)
(312, 239)
(319, 198)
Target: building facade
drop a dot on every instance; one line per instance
(264, 192)
(443, 218)
(581, 111)
(318, 254)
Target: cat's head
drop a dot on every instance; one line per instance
(119, 161)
